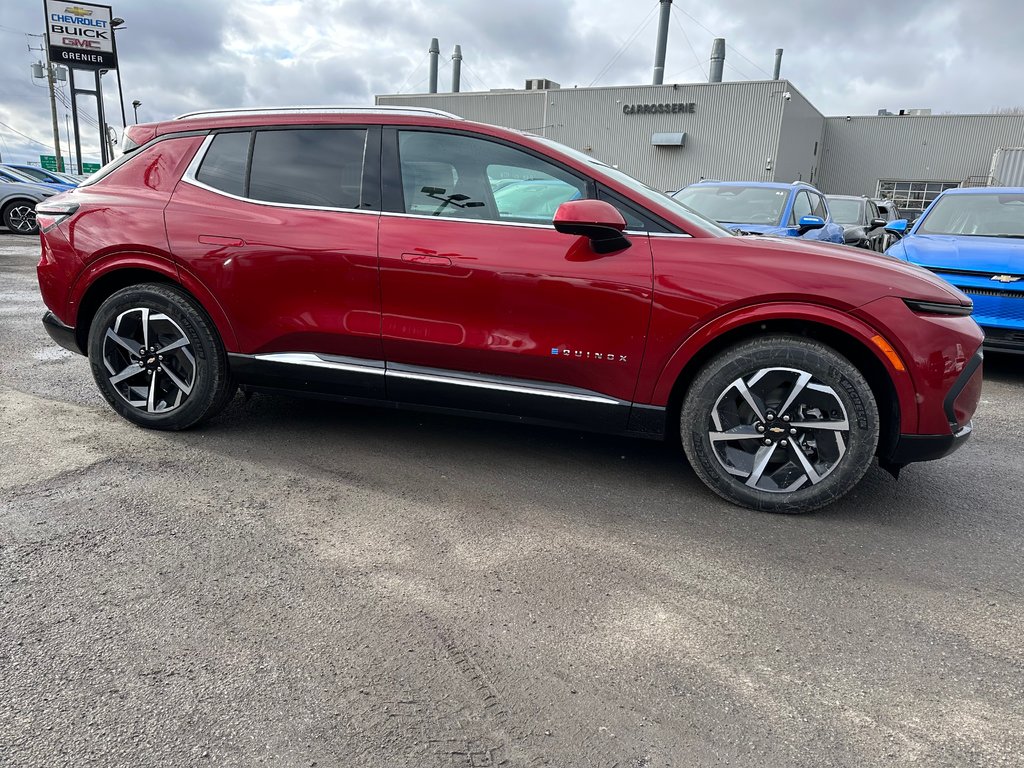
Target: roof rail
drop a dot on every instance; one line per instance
(306, 110)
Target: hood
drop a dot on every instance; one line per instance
(964, 253)
(890, 275)
(760, 229)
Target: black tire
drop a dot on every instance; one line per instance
(801, 438)
(19, 216)
(183, 376)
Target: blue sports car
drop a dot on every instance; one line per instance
(764, 208)
(974, 238)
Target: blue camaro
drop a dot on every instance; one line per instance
(764, 208)
(974, 238)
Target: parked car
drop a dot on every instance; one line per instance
(764, 208)
(888, 210)
(863, 225)
(18, 201)
(310, 251)
(40, 176)
(974, 238)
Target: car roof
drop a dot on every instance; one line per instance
(766, 184)
(985, 191)
(846, 197)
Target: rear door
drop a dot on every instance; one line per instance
(485, 306)
(280, 224)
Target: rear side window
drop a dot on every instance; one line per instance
(223, 166)
(317, 167)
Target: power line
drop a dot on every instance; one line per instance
(684, 71)
(731, 48)
(410, 75)
(629, 41)
(24, 136)
(687, 39)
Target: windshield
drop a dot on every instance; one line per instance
(736, 204)
(977, 215)
(9, 174)
(642, 190)
(845, 211)
(33, 174)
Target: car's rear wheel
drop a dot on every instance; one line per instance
(157, 358)
(780, 424)
(19, 217)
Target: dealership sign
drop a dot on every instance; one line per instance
(659, 109)
(79, 35)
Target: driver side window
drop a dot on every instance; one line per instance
(464, 177)
(801, 208)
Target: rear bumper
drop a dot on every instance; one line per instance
(60, 333)
(913, 448)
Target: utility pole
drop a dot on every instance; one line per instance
(50, 77)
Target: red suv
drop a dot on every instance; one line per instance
(409, 256)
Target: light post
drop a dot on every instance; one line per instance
(135, 107)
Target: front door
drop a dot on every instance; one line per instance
(484, 305)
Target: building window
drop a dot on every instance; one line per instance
(912, 196)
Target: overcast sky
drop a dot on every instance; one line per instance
(847, 56)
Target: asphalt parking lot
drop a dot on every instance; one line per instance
(301, 583)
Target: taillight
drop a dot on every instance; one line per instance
(51, 213)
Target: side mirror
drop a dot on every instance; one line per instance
(898, 227)
(807, 223)
(594, 219)
(876, 223)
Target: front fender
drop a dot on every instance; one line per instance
(789, 311)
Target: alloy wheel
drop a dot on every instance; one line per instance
(779, 430)
(149, 360)
(22, 219)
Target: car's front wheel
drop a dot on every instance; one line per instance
(157, 358)
(780, 424)
(19, 217)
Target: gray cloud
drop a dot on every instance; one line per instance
(847, 57)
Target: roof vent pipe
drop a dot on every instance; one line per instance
(659, 52)
(435, 51)
(717, 60)
(778, 64)
(456, 68)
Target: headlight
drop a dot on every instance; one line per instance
(939, 308)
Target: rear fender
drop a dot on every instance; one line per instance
(162, 266)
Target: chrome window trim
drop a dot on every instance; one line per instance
(189, 177)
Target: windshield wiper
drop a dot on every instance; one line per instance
(1015, 237)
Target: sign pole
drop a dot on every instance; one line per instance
(74, 119)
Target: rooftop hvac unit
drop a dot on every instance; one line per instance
(541, 84)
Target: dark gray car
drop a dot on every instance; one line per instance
(18, 205)
(863, 224)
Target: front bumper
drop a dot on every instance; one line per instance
(60, 333)
(1004, 339)
(912, 448)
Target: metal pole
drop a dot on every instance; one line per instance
(435, 51)
(456, 68)
(120, 93)
(102, 117)
(717, 60)
(778, 64)
(659, 52)
(74, 119)
(53, 107)
(67, 131)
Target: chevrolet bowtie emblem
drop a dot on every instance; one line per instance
(776, 430)
(1005, 278)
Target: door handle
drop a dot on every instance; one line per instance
(235, 242)
(426, 258)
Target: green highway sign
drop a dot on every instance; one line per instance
(48, 162)
(88, 168)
